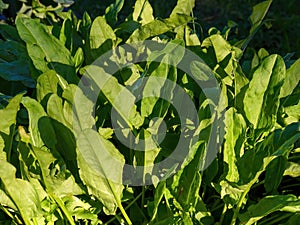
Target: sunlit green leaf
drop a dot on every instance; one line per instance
(264, 88)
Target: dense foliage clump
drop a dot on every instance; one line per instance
(241, 163)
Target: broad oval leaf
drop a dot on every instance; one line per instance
(99, 163)
(261, 99)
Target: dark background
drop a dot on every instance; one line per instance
(280, 34)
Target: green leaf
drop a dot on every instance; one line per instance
(293, 220)
(102, 37)
(45, 51)
(55, 108)
(157, 27)
(65, 35)
(158, 196)
(274, 174)
(79, 58)
(8, 124)
(292, 170)
(47, 84)
(40, 127)
(111, 12)
(278, 143)
(118, 96)
(186, 183)
(221, 47)
(6, 201)
(235, 128)
(256, 19)
(148, 150)
(66, 143)
(14, 63)
(231, 193)
(99, 163)
(184, 7)
(85, 26)
(269, 204)
(81, 209)
(3, 6)
(291, 80)
(58, 179)
(153, 88)
(9, 33)
(164, 70)
(259, 12)
(30, 208)
(264, 89)
(143, 12)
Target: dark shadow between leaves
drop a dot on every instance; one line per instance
(66, 71)
(65, 145)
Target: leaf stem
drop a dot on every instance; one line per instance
(223, 214)
(241, 200)
(63, 208)
(9, 214)
(143, 197)
(127, 207)
(273, 220)
(126, 217)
